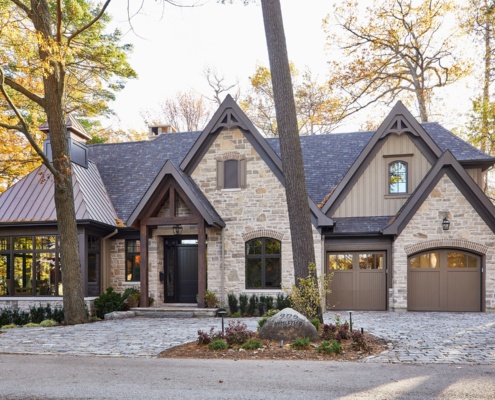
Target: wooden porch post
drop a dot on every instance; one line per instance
(143, 239)
(201, 263)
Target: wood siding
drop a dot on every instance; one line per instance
(369, 196)
(477, 176)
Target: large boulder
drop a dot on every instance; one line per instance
(288, 324)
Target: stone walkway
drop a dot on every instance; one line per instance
(414, 338)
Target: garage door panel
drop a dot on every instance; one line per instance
(424, 290)
(463, 290)
(341, 296)
(372, 290)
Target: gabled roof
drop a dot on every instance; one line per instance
(31, 199)
(194, 194)
(446, 164)
(432, 140)
(230, 115)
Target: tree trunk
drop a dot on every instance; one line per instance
(54, 85)
(303, 251)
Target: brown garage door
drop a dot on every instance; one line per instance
(444, 280)
(359, 281)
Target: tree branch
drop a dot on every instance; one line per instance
(21, 89)
(90, 23)
(24, 126)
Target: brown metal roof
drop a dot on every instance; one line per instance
(31, 199)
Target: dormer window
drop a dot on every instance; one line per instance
(231, 173)
(397, 177)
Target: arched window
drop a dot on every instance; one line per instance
(397, 177)
(263, 264)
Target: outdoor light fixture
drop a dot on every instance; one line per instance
(445, 224)
(177, 230)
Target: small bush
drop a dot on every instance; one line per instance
(329, 332)
(300, 344)
(329, 347)
(9, 326)
(218, 344)
(236, 315)
(233, 303)
(253, 302)
(269, 314)
(211, 300)
(252, 344)
(131, 298)
(48, 323)
(343, 332)
(32, 325)
(237, 333)
(359, 341)
(283, 301)
(243, 303)
(108, 302)
(262, 305)
(316, 323)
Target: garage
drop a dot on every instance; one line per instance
(358, 282)
(444, 280)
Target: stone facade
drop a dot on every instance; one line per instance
(258, 210)
(467, 231)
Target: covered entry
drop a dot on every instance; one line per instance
(444, 280)
(359, 281)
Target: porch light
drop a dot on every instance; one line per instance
(177, 230)
(445, 224)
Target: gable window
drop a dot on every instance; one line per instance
(132, 259)
(397, 177)
(231, 173)
(263, 264)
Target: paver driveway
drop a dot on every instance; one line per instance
(464, 338)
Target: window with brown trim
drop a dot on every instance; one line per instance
(397, 177)
(132, 260)
(231, 174)
(263, 264)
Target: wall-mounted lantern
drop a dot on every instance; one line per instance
(177, 230)
(445, 224)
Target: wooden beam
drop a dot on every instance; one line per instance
(153, 222)
(201, 264)
(143, 238)
(171, 197)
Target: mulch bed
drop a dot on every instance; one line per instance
(273, 351)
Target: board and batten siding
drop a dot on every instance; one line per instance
(477, 175)
(369, 196)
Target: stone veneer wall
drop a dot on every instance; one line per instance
(424, 231)
(258, 210)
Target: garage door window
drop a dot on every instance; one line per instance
(427, 260)
(340, 262)
(371, 261)
(460, 260)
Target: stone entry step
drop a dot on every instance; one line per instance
(175, 311)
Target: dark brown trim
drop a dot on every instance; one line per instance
(143, 264)
(201, 264)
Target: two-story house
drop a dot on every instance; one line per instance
(399, 217)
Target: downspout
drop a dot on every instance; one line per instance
(105, 280)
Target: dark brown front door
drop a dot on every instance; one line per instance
(444, 280)
(358, 282)
(181, 270)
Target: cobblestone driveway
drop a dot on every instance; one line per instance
(458, 338)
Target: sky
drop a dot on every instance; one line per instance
(173, 45)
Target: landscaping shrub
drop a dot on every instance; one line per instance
(300, 344)
(243, 303)
(211, 299)
(237, 332)
(108, 302)
(35, 315)
(207, 337)
(262, 321)
(262, 305)
(252, 344)
(253, 302)
(329, 347)
(131, 298)
(283, 301)
(359, 341)
(218, 344)
(233, 303)
(343, 332)
(329, 332)
(32, 325)
(48, 323)
(316, 323)
(236, 315)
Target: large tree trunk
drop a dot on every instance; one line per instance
(54, 84)
(295, 183)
